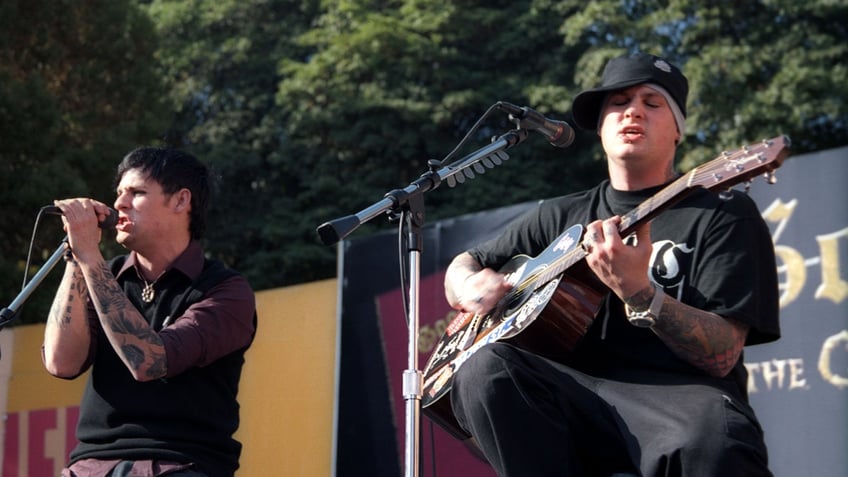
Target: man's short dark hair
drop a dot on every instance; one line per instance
(174, 169)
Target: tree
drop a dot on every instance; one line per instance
(369, 91)
(756, 69)
(309, 110)
(78, 91)
(221, 59)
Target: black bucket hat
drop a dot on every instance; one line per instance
(626, 71)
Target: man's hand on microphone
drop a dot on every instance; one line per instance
(81, 218)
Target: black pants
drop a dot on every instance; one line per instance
(533, 417)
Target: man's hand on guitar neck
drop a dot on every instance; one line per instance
(621, 264)
(471, 288)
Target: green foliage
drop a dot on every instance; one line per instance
(756, 69)
(77, 91)
(362, 95)
(313, 110)
(389, 89)
(221, 59)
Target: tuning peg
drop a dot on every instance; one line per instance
(771, 177)
(726, 194)
(747, 186)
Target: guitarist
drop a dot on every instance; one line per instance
(657, 386)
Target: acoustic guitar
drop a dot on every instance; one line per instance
(555, 297)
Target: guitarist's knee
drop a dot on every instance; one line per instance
(493, 373)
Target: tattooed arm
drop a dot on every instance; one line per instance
(705, 340)
(132, 338)
(66, 336)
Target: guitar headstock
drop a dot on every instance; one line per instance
(740, 165)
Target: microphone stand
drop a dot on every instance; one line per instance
(410, 201)
(8, 313)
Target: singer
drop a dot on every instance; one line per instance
(162, 329)
(657, 385)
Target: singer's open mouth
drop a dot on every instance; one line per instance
(123, 222)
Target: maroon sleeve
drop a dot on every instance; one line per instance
(218, 324)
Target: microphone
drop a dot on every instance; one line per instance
(558, 133)
(109, 222)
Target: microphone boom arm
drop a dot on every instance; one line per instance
(334, 230)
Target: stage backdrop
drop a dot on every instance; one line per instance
(797, 385)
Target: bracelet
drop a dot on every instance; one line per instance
(647, 318)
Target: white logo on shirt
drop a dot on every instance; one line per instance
(666, 269)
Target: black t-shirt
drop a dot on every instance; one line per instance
(713, 254)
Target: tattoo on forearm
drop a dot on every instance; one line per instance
(75, 288)
(703, 341)
(130, 334)
(157, 366)
(134, 355)
(126, 325)
(79, 286)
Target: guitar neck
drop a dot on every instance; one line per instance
(728, 169)
(651, 207)
(643, 212)
(731, 167)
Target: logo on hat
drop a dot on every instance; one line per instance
(662, 65)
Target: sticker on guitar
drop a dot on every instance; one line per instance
(534, 282)
(510, 326)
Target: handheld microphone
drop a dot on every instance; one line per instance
(109, 222)
(558, 133)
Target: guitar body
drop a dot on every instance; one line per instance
(547, 315)
(555, 297)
